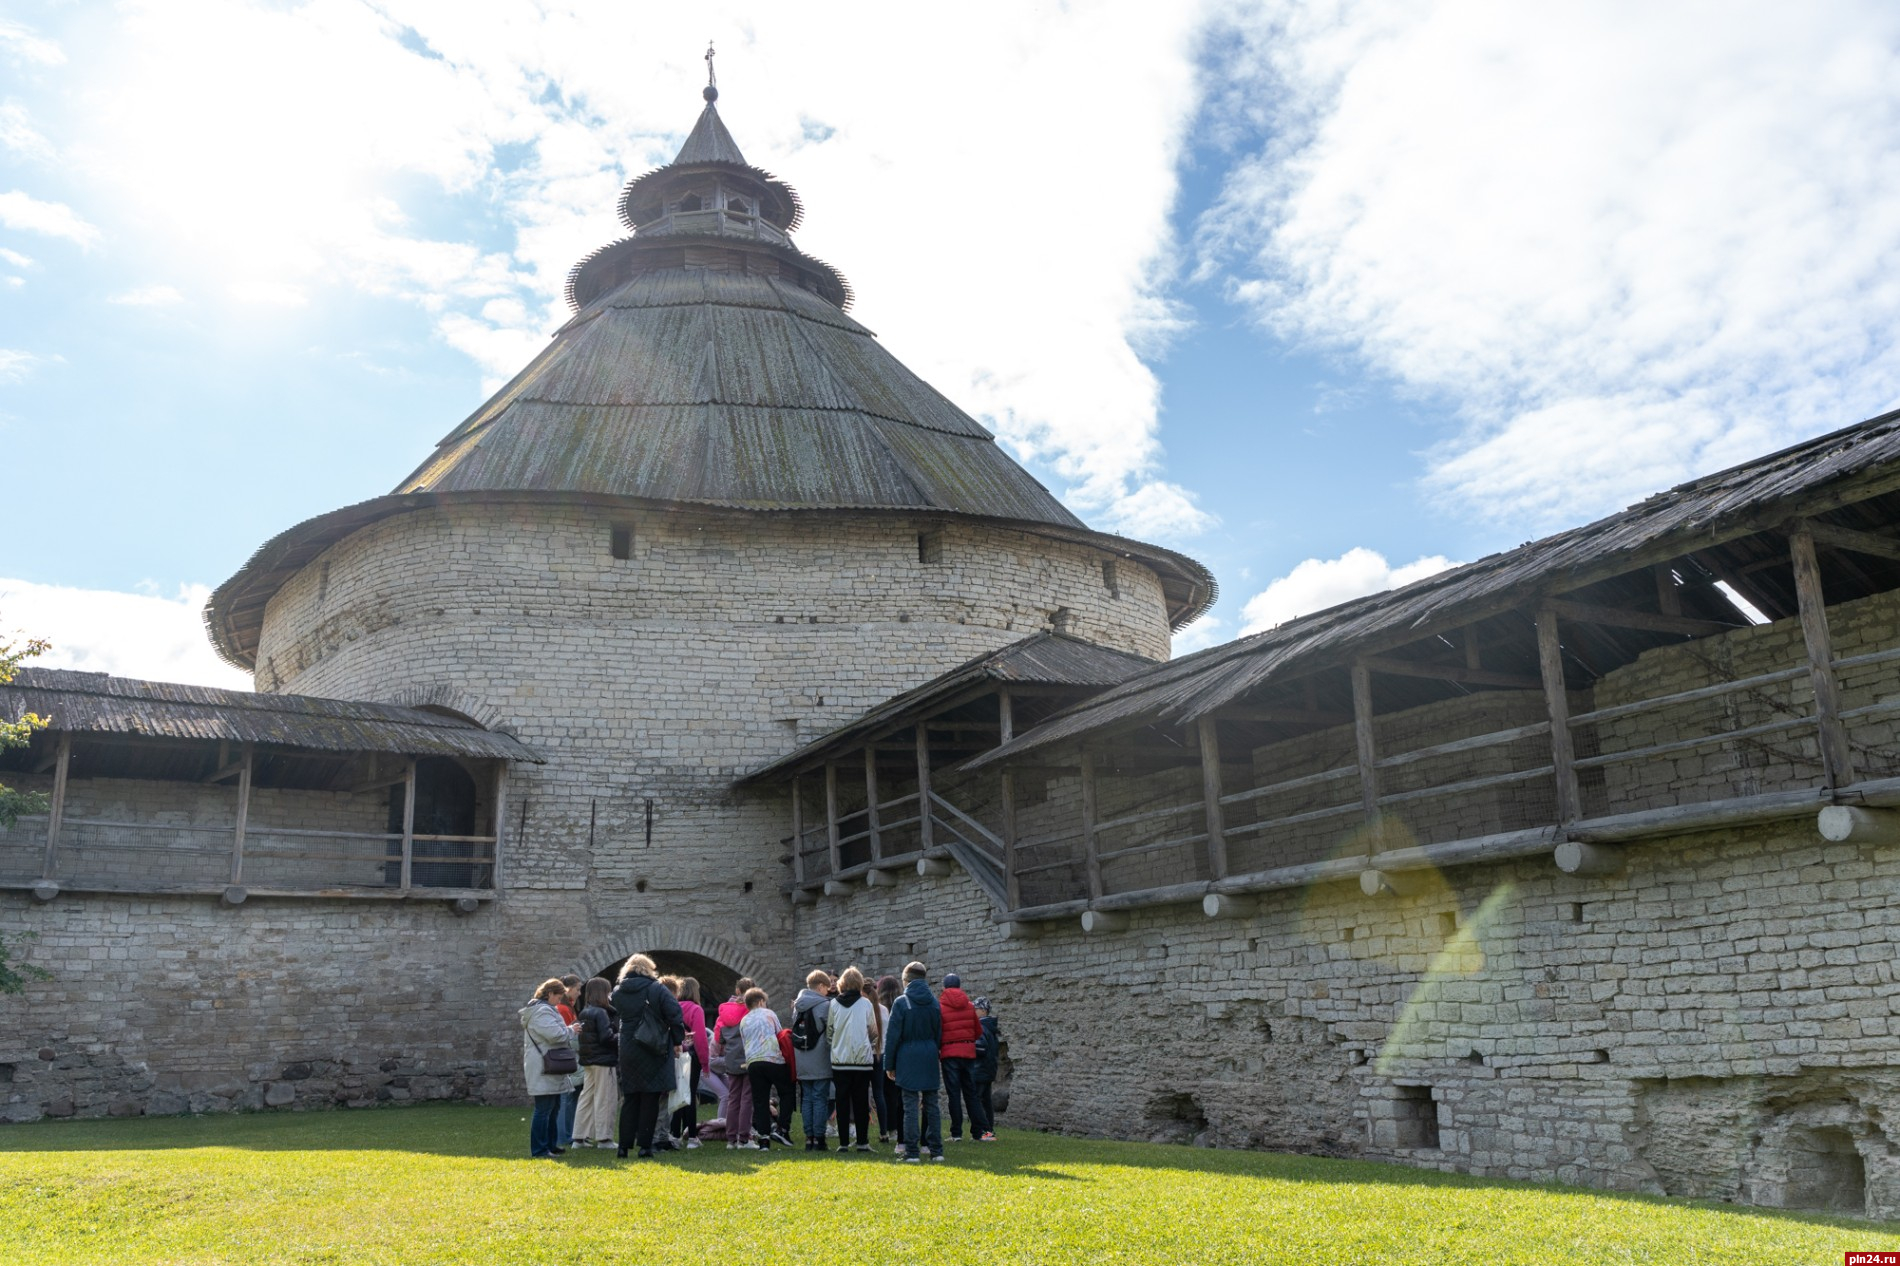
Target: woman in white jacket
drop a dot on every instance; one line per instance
(853, 1029)
(543, 1030)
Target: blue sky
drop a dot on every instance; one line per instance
(1327, 295)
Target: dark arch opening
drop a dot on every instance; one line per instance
(715, 978)
(446, 801)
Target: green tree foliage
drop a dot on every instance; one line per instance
(18, 733)
(13, 803)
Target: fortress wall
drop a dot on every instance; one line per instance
(724, 642)
(1691, 1027)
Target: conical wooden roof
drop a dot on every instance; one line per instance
(710, 363)
(735, 390)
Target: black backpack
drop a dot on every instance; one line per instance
(806, 1029)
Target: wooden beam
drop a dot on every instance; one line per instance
(1092, 857)
(1837, 759)
(1209, 733)
(1284, 716)
(832, 850)
(1668, 593)
(1474, 653)
(1842, 824)
(870, 805)
(798, 831)
(1006, 778)
(1853, 541)
(56, 807)
(243, 816)
(926, 829)
(1447, 672)
(1363, 741)
(501, 822)
(408, 825)
(1550, 663)
(1647, 621)
(231, 770)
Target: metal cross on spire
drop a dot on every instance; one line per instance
(712, 79)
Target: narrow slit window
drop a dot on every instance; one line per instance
(620, 543)
(930, 547)
(1111, 580)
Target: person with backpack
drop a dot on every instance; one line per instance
(548, 1062)
(989, 1051)
(910, 1059)
(961, 1029)
(851, 1032)
(652, 1029)
(810, 1011)
(600, 1052)
(728, 1052)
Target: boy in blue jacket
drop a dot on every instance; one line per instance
(910, 1059)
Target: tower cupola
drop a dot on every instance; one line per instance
(710, 209)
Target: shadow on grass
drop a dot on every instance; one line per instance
(474, 1132)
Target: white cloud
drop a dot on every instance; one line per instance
(149, 297)
(15, 364)
(1012, 248)
(18, 134)
(1627, 242)
(55, 219)
(126, 634)
(1319, 583)
(1198, 636)
(20, 44)
(268, 293)
(15, 258)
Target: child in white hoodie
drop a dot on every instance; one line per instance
(854, 1033)
(765, 1065)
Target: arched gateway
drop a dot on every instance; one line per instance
(715, 962)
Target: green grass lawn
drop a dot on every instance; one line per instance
(453, 1184)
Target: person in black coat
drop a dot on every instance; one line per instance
(599, 1108)
(646, 1074)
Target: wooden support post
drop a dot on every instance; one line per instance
(1474, 653)
(1220, 906)
(831, 817)
(1208, 730)
(1006, 728)
(1395, 883)
(870, 805)
(1092, 856)
(1574, 857)
(926, 832)
(1841, 824)
(56, 809)
(1550, 663)
(408, 825)
(1837, 759)
(243, 814)
(1668, 595)
(1368, 750)
(798, 833)
(501, 822)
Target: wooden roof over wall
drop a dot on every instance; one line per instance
(1703, 519)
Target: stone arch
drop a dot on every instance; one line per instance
(453, 699)
(661, 937)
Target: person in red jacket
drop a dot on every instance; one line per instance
(957, 1051)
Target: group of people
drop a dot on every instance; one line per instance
(604, 1061)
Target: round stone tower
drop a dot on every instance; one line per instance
(712, 520)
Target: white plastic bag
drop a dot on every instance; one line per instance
(682, 1082)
